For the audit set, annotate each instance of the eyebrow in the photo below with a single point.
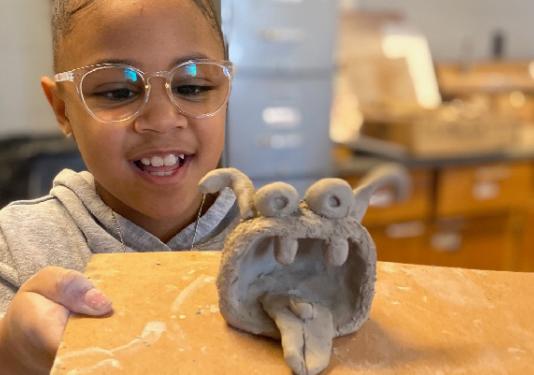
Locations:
(195, 56)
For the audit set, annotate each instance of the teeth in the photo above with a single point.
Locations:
(170, 160)
(157, 161)
(161, 174)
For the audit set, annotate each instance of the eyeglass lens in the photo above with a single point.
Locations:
(114, 93)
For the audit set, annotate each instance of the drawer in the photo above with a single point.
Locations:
(482, 243)
(400, 242)
(280, 34)
(280, 127)
(526, 257)
(485, 243)
(384, 210)
(477, 190)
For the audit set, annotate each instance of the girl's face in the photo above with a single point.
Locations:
(152, 35)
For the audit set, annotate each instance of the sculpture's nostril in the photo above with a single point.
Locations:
(281, 202)
(334, 202)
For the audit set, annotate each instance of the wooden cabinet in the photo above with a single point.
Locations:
(400, 242)
(478, 190)
(526, 256)
(487, 242)
(482, 243)
(477, 216)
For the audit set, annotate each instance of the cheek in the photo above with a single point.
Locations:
(99, 145)
(212, 135)
(101, 153)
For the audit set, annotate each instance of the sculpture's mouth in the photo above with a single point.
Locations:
(309, 276)
(304, 302)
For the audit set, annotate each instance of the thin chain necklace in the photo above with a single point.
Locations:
(199, 214)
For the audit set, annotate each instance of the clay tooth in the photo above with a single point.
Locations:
(337, 252)
(285, 250)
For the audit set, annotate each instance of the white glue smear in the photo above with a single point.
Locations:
(113, 363)
(85, 352)
(151, 333)
(190, 289)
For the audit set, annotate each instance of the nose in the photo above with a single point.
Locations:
(159, 114)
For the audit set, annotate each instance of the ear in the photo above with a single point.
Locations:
(55, 98)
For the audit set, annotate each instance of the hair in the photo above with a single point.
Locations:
(63, 12)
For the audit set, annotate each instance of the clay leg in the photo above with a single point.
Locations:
(306, 330)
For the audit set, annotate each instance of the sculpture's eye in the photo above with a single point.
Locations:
(330, 197)
(276, 200)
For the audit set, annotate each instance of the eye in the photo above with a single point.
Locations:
(114, 92)
(118, 94)
(330, 197)
(276, 200)
(191, 91)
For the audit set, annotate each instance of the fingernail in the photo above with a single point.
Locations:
(96, 299)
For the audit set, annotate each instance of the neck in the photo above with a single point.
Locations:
(163, 228)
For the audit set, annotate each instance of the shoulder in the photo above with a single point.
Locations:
(46, 211)
(42, 218)
(40, 232)
(39, 221)
(27, 229)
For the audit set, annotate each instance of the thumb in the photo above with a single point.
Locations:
(69, 288)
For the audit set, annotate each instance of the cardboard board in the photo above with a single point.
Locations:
(424, 320)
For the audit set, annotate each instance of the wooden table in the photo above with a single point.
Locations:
(424, 320)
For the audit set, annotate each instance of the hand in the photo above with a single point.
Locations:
(32, 328)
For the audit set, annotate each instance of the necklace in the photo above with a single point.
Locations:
(199, 214)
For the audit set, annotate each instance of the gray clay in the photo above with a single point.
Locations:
(306, 331)
(303, 272)
(218, 179)
(276, 200)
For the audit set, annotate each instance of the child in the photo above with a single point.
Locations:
(143, 91)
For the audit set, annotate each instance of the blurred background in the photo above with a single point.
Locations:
(334, 88)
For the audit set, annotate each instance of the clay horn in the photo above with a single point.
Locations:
(242, 186)
(393, 175)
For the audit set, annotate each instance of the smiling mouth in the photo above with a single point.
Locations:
(163, 165)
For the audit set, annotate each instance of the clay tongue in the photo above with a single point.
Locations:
(306, 329)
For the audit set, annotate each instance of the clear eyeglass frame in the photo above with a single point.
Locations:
(78, 75)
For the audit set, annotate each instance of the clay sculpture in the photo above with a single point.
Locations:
(300, 271)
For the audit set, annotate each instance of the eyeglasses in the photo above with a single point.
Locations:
(115, 93)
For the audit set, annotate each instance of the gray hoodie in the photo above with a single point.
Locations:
(65, 227)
